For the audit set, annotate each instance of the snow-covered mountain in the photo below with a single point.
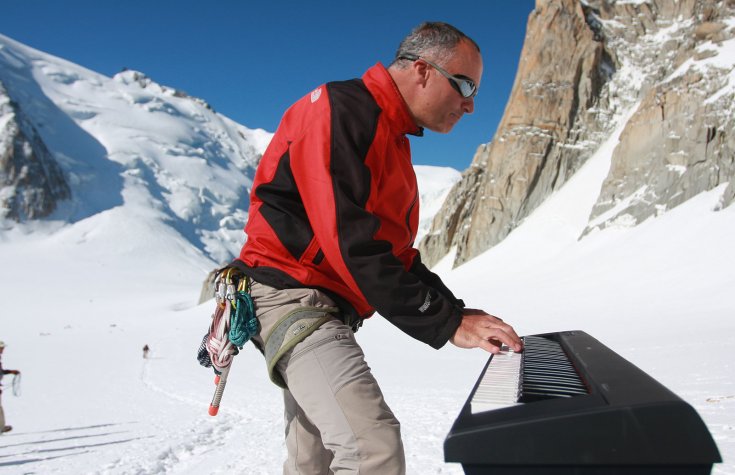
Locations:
(115, 138)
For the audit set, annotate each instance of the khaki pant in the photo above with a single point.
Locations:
(336, 419)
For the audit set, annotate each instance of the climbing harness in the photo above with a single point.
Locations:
(233, 324)
(291, 329)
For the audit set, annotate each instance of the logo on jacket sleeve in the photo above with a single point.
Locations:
(316, 94)
(426, 304)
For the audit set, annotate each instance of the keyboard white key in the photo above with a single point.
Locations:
(500, 385)
(542, 371)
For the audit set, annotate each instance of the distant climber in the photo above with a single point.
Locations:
(4, 428)
(145, 352)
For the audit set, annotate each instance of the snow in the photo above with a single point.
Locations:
(80, 297)
(434, 186)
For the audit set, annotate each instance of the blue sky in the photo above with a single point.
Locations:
(251, 60)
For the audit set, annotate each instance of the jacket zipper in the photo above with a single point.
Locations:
(408, 219)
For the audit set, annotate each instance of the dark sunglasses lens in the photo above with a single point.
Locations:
(466, 88)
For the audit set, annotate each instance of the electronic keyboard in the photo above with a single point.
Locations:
(569, 405)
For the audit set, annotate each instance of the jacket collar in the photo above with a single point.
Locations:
(381, 85)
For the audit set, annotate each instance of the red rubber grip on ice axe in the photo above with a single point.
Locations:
(220, 381)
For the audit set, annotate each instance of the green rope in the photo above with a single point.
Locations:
(243, 324)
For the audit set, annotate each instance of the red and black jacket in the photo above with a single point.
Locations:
(335, 206)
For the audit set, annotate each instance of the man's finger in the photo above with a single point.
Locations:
(489, 346)
(500, 336)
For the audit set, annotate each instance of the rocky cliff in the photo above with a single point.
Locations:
(31, 182)
(661, 70)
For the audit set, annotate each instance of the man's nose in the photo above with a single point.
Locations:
(468, 105)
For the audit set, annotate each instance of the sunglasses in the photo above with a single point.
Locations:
(462, 84)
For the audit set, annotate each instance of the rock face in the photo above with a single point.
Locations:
(680, 140)
(585, 66)
(31, 182)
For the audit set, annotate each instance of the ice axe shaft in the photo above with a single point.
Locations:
(220, 380)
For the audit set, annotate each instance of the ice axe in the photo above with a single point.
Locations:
(220, 381)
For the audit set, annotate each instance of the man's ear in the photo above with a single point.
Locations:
(421, 72)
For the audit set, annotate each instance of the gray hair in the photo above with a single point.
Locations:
(433, 40)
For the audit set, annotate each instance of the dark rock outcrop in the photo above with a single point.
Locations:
(31, 182)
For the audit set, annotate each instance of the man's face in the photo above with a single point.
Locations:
(441, 105)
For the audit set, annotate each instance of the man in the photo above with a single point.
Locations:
(331, 229)
(3, 427)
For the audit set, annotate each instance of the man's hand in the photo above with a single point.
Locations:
(482, 330)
